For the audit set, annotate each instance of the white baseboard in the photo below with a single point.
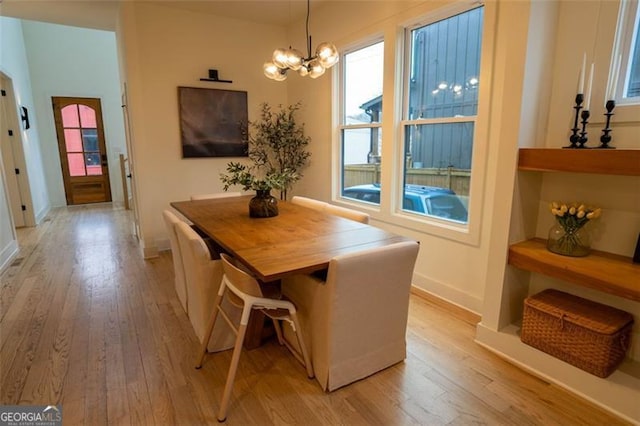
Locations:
(448, 293)
(8, 253)
(42, 214)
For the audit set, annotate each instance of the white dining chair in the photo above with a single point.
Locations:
(347, 213)
(355, 321)
(203, 276)
(211, 196)
(245, 292)
(309, 202)
(170, 221)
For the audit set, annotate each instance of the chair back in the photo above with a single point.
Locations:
(347, 213)
(215, 195)
(202, 275)
(367, 295)
(241, 280)
(309, 202)
(170, 221)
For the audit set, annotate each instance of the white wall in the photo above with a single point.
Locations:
(70, 61)
(13, 63)
(164, 48)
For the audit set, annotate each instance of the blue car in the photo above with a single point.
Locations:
(428, 200)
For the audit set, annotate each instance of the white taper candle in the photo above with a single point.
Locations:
(589, 87)
(582, 71)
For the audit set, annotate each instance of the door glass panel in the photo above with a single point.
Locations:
(87, 116)
(72, 140)
(93, 164)
(90, 139)
(76, 164)
(70, 116)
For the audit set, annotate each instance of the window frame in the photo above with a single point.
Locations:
(462, 232)
(340, 119)
(389, 212)
(625, 37)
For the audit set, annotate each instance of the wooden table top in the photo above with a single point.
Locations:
(298, 240)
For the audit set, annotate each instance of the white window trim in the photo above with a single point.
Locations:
(340, 126)
(468, 233)
(623, 44)
(393, 132)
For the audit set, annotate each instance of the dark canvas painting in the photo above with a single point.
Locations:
(212, 122)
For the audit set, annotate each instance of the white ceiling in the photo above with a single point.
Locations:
(102, 14)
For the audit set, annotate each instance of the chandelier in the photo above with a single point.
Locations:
(283, 60)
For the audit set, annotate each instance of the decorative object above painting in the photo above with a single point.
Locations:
(213, 123)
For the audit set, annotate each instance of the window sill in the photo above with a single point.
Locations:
(428, 225)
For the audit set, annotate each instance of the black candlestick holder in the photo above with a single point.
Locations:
(606, 132)
(583, 134)
(575, 138)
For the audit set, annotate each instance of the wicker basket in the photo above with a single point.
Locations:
(589, 335)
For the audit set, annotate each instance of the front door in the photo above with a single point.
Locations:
(82, 149)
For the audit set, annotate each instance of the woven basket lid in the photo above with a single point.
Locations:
(586, 313)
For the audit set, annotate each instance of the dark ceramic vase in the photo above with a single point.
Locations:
(263, 204)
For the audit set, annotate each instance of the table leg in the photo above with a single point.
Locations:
(256, 330)
(260, 327)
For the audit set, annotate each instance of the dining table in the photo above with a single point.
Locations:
(299, 240)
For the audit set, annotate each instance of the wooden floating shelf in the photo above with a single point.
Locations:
(624, 162)
(602, 271)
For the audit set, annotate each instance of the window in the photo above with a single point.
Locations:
(81, 140)
(360, 123)
(627, 88)
(441, 105)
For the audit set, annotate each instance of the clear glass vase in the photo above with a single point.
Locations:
(574, 242)
(263, 204)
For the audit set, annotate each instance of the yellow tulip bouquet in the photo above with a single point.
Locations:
(571, 217)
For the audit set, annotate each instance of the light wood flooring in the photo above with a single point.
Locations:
(85, 322)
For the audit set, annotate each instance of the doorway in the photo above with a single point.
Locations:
(13, 157)
(83, 153)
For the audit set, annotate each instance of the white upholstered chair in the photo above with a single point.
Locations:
(215, 195)
(331, 209)
(203, 277)
(355, 322)
(309, 202)
(170, 221)
(347, 213)
(244, 292)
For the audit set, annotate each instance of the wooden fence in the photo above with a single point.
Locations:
(454, 179)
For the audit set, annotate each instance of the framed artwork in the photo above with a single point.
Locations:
(213, 123)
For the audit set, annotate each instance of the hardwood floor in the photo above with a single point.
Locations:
(85, 322)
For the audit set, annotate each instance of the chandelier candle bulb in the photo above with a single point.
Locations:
(283, 60)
